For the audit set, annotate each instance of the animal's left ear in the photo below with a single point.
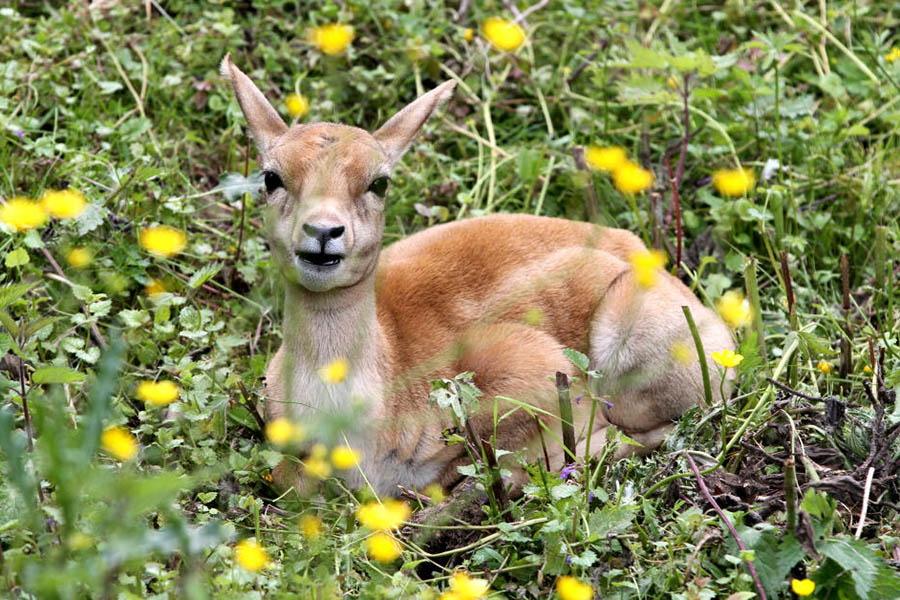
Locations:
(398, 133)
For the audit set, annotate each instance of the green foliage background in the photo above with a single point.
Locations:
(127, 105)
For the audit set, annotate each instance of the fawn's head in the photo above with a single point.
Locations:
(326, 185)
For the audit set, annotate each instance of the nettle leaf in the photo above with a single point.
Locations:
(577, 358)
(645, 57)
(17, 258)
(565, 490)
(204, 274)
(235, 185)
(11, 293)
(853, 555)
(134, 318)
(90, 218)
(611, 520)
(587, 558)
(56, 375)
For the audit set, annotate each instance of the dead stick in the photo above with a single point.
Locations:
(731, 529)
(865, 504)
(848, 335)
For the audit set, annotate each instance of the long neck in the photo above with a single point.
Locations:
(322, 327)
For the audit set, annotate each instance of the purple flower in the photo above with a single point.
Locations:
(567, 470)
(590, 496)
(569, 560)
(578, 399)
(19, 133)
(609, 404)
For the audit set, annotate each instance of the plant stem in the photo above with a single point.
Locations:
(701, 355)
(565, 414)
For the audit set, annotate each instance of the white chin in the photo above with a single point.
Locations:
(318, 278)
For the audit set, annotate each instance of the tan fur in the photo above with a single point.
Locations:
(455, 298)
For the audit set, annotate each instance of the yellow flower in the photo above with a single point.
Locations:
(867, 369)
(727, 358)
(345, 457)
(681, 352)
(569, 588)
(468, 34)
(734, 309)
(335, 371)
(383, 547)
(383, 516)
(803, 587)
(158, 393)
(79, 257)
(463, 587)
(824, 366)
(436, 493)
(310, 526)
(504, 35)
(119, 442)
(251, 555)
(734, 182)
(162, 240)
(315, 465)
(297, 105)
(645, 266)
(65, 204)
(607, 158)
(20, 213)
(631, 178)
(893, 55)
(282, 431)
(155, 287)
(333, 38)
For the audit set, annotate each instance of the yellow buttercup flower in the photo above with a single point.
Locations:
(383, 547)
(727, 358)
(65, 204)
(734, 309)
(345, 457)
(119, 442)
(464, 587)
(645, 266)
(436, 493)
(316, 464)
(383, 516)
(734, 182)
(162, 240)
(824, 366)
(893, 55)
(154, 288)
(504, 35)
(282, 431)
(20, 213)
(311, 526)
(333, 38)
(605, 158)
(803, 587)
(570, 588)
(631, 178)
(297, 105)
(867, 370)
(79, 257)
(251, 555)
(682, 353)
(468, 34)
(335, 371)
(158, 393)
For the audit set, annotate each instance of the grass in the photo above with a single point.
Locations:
(126, 104)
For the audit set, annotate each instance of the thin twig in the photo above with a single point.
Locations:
(865, 502)
(792, 391)
(705, 491)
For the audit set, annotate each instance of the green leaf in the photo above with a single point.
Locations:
(644, 57)
(565, 490)
(611, 519)
(235, 185)
(577, 358)
(56, 375)
(11, 293)
(17, 258)
(853, 555)
(204, 274)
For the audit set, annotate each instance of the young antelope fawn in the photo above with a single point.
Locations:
(500, 296)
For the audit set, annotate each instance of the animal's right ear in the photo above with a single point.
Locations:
(265, 123)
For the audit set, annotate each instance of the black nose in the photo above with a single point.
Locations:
(323, 233)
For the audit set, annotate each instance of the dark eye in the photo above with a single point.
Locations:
(273, 181)
(379, 186)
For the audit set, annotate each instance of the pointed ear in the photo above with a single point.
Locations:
(265, 124)
(397, 134)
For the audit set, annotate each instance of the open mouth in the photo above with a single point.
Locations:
(320, 259)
